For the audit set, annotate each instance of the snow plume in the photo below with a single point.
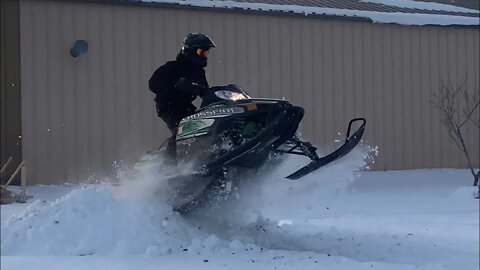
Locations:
(147, 183)
(270, 194)
(328, 182)
(133, 216)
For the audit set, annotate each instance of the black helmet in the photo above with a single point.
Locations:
(196, 47)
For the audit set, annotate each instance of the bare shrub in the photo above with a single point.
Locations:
(459, 106)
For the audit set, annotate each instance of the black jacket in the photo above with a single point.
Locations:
(164, 79)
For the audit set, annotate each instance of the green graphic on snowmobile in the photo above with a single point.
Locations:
(193, 128)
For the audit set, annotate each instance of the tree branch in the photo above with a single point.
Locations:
(454, 115)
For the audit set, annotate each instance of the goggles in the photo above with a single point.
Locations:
(202, 52)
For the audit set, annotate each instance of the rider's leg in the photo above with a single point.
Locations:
(172, 145)
(172, 120)
(172, 117)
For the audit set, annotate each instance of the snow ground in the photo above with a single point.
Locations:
(337, 218)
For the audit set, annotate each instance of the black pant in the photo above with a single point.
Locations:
(172, 117)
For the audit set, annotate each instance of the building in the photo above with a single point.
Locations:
(76, 118)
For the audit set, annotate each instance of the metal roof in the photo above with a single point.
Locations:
(356, 5)
(360, 5)
(473, 4)
(459, 8)
(352, 5)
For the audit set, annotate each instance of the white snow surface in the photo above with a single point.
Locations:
(375, 16)
(339, 217)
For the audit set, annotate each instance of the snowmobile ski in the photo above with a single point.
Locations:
(350, 143)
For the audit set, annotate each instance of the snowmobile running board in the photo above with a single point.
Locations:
(350, 143)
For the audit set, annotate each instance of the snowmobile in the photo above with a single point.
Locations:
(233, 130)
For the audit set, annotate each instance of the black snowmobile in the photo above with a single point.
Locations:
(233, 130)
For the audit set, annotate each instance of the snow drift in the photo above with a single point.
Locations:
(134, 217)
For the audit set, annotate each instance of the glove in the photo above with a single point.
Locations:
(188, 88)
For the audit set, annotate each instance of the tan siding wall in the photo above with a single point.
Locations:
(82, 114)
(10, 112)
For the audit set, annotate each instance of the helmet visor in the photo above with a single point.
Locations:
(202, 52)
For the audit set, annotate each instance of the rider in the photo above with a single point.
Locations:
(177, 83)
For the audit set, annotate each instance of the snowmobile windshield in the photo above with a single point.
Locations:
(230, 95)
